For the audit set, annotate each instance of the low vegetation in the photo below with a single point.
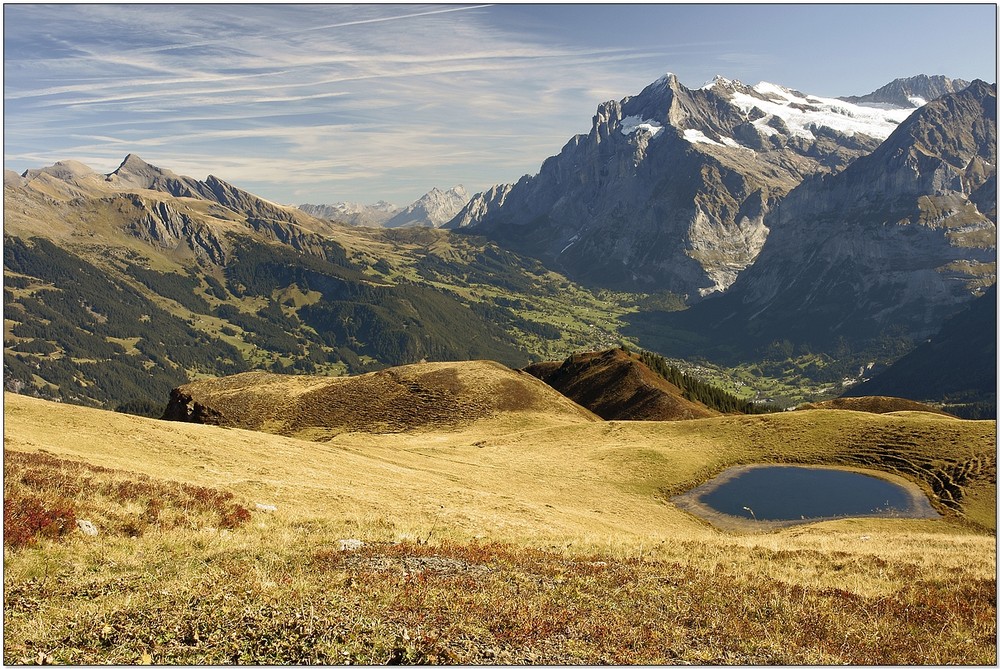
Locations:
(44, 496)
(548, 543)
(249, 600)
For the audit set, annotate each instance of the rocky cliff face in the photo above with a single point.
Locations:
(897, 242)
(671, 187)
(174, 213)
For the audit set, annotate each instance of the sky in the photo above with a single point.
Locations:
(320, 103)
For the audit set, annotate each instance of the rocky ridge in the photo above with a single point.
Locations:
(353, 213)
(432, 210)
(174, 213)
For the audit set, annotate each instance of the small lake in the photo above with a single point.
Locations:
(780, 495)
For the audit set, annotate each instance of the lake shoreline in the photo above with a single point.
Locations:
(692, 501)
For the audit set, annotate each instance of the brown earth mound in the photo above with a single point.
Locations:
(426, 396)
(874, 404)
(617, 386)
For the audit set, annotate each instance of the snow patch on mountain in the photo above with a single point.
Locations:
(698, 137)
(802, 113)
(630, 124)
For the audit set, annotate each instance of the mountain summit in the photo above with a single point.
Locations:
(911, 91)
(670, 188)
(432, 210)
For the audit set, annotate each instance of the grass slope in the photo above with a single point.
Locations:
(544, 542)
(873, 404)
(617, 386)
(422, 397)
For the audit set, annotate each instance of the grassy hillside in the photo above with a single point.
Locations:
(545, 542)
(616, 385)
(425, 397)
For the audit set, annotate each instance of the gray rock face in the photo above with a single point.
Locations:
(160, 224)
(671, 187)
(898, 241)
(911, 92)
(87, 528)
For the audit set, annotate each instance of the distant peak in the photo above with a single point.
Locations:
(668, 79)
(134, 165)
(133, 161)
(719, 80)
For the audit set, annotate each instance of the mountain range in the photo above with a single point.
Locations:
(432, 210)
(671, 188)
(911, 91)
(724, 223)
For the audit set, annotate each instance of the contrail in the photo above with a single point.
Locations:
(389, 18)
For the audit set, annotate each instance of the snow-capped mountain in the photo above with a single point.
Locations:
(353, 213)
(911, 91)
(891, 246)
(671, 187)
(432, 210)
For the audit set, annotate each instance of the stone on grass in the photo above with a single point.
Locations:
(350, 544)
(87, 528)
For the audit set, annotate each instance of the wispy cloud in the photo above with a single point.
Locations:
(342, 102)
(278, 90)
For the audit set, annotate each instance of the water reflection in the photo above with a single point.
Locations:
(789, 494)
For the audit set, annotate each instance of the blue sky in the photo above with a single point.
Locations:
(322, 103)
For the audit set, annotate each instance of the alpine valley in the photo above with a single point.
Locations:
(474, 430)
(769, 241)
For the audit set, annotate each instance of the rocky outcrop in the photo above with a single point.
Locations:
(183, 407)
(670, 189)
(162, 225)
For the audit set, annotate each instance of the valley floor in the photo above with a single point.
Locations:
(544, 542)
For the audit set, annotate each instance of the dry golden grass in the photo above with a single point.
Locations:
(424, 397)
(475, 534)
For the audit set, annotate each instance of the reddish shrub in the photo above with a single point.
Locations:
(231, 517)
(28, 517)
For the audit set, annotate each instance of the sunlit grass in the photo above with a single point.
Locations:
(549, 543)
